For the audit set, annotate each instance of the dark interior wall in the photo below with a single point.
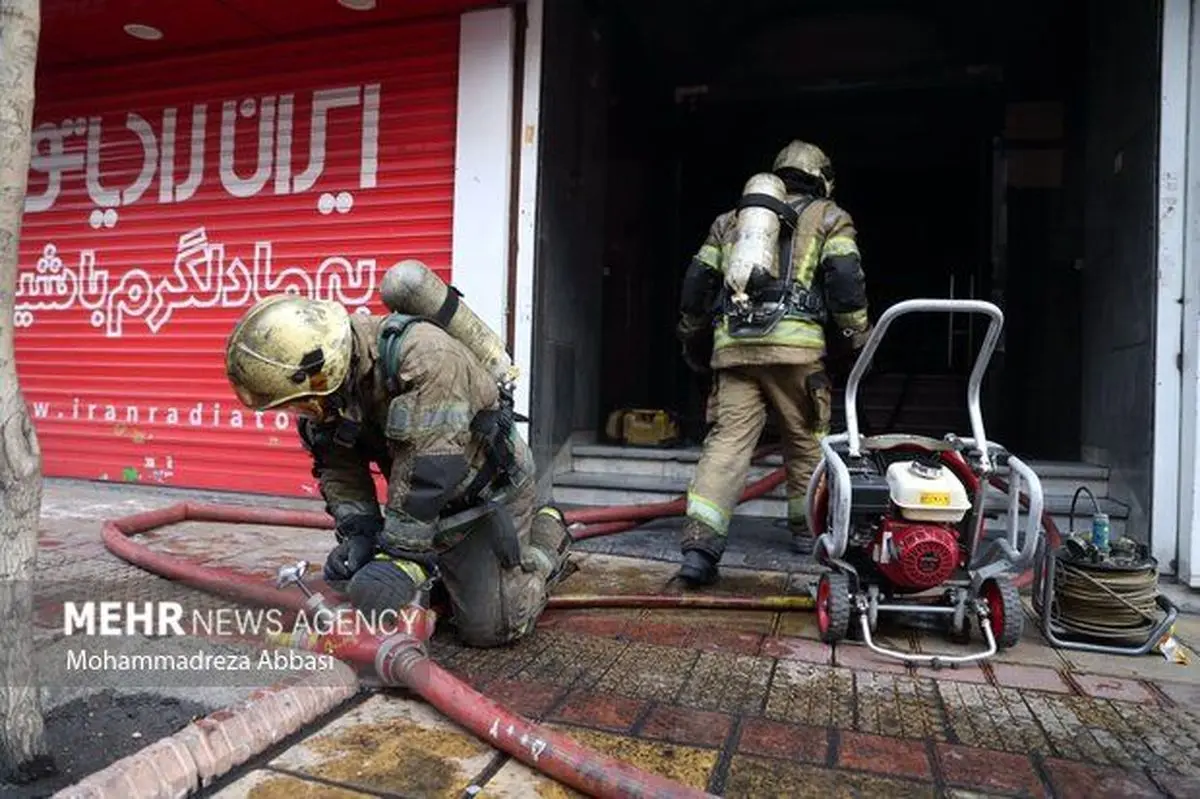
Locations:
(891, 96)
(911, 102)
(1043, 145)
(638, 349)
(569, 256)
(1119, 271)
(641, 149)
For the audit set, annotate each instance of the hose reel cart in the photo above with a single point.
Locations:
(1096, 595)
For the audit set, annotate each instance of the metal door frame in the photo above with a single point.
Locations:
(1174, 509)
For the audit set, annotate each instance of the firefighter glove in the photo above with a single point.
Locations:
(367, 526)
(858, 340)
(696, 347)
(693, 362)
(350, 555)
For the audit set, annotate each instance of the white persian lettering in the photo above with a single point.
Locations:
(90, 147)
(234, 183)
(168, 192)
(50, 158)
(202, 277)
(323, 102)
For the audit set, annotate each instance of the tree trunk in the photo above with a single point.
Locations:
(23, 753)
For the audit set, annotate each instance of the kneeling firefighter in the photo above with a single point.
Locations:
(771, 278)
(423, 394)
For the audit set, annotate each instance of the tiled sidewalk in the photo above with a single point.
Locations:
(737, 703)
(771, 710)
(719, 702)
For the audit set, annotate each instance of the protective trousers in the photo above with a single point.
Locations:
(492, 603)
(800, 395)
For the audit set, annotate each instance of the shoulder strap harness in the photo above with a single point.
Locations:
(494, 426)
(783, 297)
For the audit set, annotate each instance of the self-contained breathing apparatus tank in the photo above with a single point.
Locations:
(412, 288)
(759, 285)
(756, 241)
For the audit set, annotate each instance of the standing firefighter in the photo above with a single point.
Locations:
(770, 279)
(401, 392)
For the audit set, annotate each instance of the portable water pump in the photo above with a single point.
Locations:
(900, 518)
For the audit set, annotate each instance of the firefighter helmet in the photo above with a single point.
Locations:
(288, 350)
(809, 159)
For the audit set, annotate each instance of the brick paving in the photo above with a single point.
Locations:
(742, 703)
(1046, 738)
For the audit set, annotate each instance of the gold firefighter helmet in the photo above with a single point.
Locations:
(289, 350)
(809, 159)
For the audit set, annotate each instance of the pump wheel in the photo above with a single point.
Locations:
(833, 607)
(1005, 614)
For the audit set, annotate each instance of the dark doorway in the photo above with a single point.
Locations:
(911, 106)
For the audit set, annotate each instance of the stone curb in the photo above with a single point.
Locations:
(209, 747)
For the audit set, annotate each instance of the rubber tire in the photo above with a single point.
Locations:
(1004, 601)
(833, 607)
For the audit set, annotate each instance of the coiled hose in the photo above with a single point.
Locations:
(1112, 599)
(1106, 603)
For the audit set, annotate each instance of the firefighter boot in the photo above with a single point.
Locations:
(702, 548)
(802, 537)
(549, 536)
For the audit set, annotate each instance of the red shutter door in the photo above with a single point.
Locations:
(163, 202)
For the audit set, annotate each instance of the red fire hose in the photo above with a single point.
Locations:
(620, 518)
(693, 601)
(401, 659)
(1053, 536)
(396, 659)
(596, 522)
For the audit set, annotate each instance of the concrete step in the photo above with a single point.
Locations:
(893, 381)
(949, 396)
(947, 414)
(1058, 477)
(578, 488)
(932, 404)
(928, 422)
(946, 389)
